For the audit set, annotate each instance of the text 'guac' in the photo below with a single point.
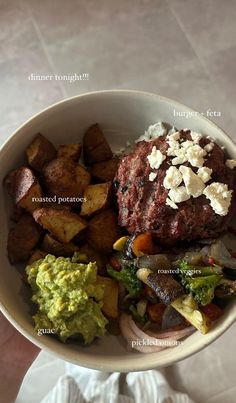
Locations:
(69, 299)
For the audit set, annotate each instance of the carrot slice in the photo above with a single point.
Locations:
(143, 245)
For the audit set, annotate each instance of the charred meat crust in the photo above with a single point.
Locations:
(142, 203)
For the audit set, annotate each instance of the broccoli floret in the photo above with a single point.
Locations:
(127, 276)
(140, 319)
(191, 271)
(200, 281)
(202, 287)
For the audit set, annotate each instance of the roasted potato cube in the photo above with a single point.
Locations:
(56, 206)
(40, 152)
(22, 239)
(95, 145)
(110, 301)
(97, 198)
(9, 182)
(103, 231)
(23, 185)
(94, 256)
(62, 224)
(105, 171)
(83, 178)
(72, 151)
(17, 213)
(36, 255)
(64, 178)
(51, 245)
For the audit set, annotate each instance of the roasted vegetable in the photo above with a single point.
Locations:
(103, 231)
(95, 146)
(218, 251)
(143, 245)
(154, 262)
(202, 286)
(40, 152)
(97, 198)
(226, 288)
(212, 311)
(36, 255)
(56, 248)
(110, 300)
(155, 312)
(188, 270)
(141, 319)
(105, 171)
(62, 224)
(23, 238)
(164, 285)
(197, 318)
(127, 276)
(171, 318)
(72, 151)
(120, 243)
(24, 187)
(64, 178)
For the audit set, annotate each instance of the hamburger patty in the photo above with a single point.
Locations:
(142, 203)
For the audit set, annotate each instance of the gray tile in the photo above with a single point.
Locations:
(122, 50)
(17, 34)
(221, 66)
(20, 98)
(209, 24)
(187, 82)
(60, 20)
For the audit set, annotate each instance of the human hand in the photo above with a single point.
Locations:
(17, 354)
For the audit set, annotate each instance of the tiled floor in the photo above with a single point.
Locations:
(184, 49)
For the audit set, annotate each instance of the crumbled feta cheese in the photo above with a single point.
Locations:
(219, 196)
(153, 131)
(178, 195)
(186, 144)
(204, 173)
(230, 164)
(173, 178)
(173, 136)
(209, 147)
(195, 155)
(156, 158)
(180, 157)
(152, 176)
(170, 203)
(196, 137)
(194, 184)
(173, 147)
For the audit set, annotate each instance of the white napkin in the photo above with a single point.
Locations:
(81, 385)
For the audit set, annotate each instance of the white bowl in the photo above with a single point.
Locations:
(123, 115)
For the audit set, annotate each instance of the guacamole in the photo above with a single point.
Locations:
(68, 298)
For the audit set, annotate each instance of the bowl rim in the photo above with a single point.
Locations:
(123, 366)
